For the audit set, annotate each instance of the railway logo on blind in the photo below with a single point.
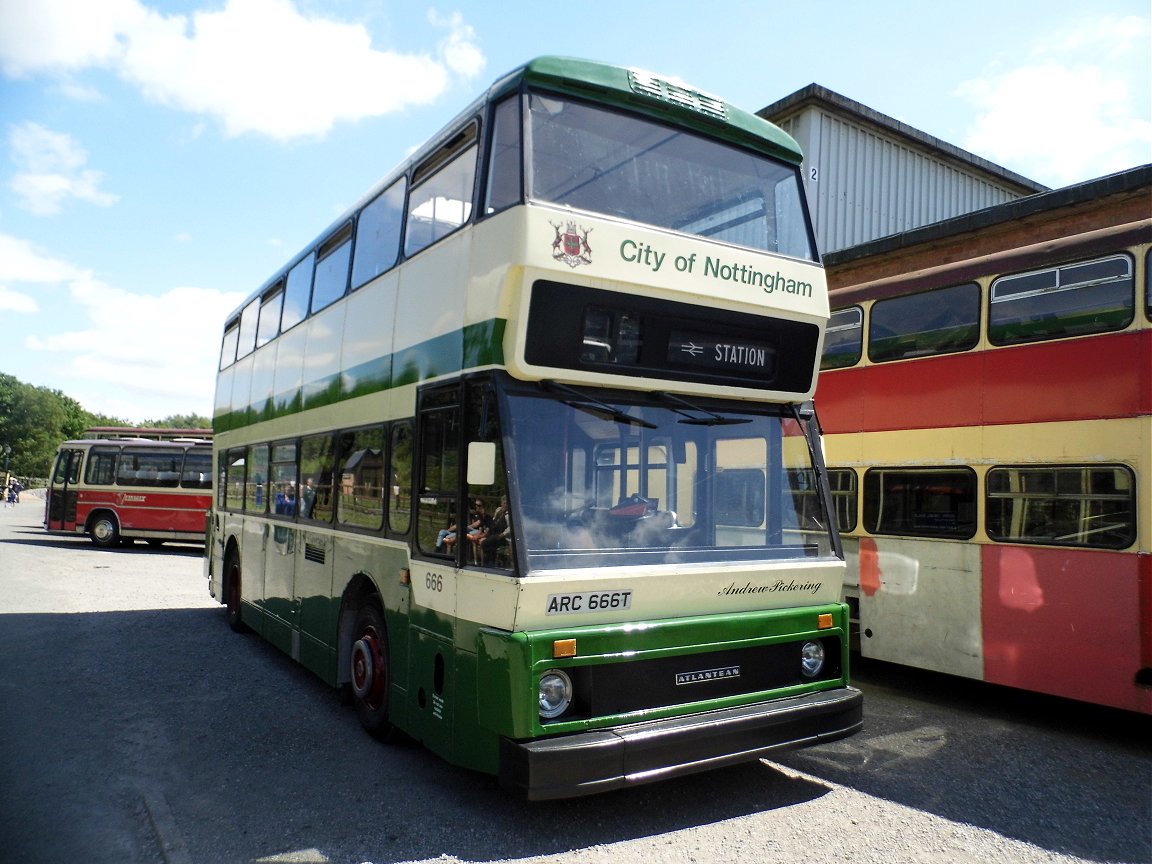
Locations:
(571, 245)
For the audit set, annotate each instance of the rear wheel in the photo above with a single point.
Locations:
(370, 674)
(232, 594)
(105, 531)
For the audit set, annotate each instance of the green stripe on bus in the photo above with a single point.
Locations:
(474, 346)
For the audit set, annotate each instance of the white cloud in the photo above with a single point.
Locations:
(17, 301)
(160, 350)
(62, 35)
(1065, 113)
(256, 65)
(20, 261)
(131, 349)
(459, 48)
(50, 171)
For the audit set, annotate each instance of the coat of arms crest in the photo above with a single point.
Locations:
(571, 245)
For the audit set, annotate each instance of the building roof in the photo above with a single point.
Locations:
(818, 97)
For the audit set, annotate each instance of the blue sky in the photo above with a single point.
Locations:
(159, 160)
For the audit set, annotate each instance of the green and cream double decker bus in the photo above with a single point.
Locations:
(520, 450)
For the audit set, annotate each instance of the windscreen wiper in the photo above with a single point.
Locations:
(713, 419)
(594, 406)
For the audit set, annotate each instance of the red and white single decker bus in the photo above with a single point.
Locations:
(120, 490)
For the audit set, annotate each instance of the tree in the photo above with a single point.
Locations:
(34, 420)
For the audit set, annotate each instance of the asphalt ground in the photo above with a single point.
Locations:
(135, 727)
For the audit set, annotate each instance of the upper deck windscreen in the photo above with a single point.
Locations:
(604, 161)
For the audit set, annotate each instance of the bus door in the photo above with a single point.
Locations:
(443, 543)
(63, 495)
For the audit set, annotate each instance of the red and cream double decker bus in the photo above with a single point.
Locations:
(986, 402)
(120, 490)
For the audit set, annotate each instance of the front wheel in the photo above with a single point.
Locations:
(105, 531)
(370, 672)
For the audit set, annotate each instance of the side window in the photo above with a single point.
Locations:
(247, 341)
(141, 466)
(439, 472)
(1148, 284)
(233, 485)
(316, 476)
(941, 321)
(101, 470)
(228, 346)
(1065, 505)
(256, 488)
(197, 469)
(843, 483)
(920, 502)
(296, 293)
(269, 325)
(282, 479)
(441, 196)
(378, 235)
(332, 260)
(1073, 300)
(504, 157)
(400, 468)
(843, 339)
(360, 461)
(492, 545)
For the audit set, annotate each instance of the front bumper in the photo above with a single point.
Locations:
(604, 759)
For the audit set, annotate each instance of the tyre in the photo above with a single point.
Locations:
(105, 530)
(233, 582)
(371, 678)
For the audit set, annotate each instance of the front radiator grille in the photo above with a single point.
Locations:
(619, 688)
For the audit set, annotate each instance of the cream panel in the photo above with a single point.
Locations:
(669, 592)
(431, 297)
(926, 612)
(665, 264)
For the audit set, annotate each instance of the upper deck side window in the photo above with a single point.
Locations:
(442, 189)
(333, 257)
(624, 165)
(269, 324)
(843, 339)
(1056, 302)
(378, 234)
(941, 321)
(297, 293)
(247, 338)
(228, 346)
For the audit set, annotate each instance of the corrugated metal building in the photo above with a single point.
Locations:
(870, 176)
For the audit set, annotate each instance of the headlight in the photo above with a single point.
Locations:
(811, 659)
(555, 693)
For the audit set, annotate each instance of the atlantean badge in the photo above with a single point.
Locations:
(571, 245)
